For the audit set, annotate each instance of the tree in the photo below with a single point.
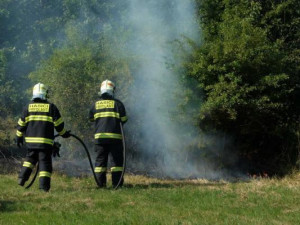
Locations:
(247, 67)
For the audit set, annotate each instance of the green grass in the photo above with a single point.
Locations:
(152, 201)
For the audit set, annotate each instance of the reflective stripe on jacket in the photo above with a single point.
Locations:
(107, 113)
(37, 124)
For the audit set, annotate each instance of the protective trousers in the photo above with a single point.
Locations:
(116, 151)
(44, 157)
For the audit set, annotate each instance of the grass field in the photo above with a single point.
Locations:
(152, 201)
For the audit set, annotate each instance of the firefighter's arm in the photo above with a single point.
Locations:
(21, 128)
(123, 116)
(91, 115)
(59, 123)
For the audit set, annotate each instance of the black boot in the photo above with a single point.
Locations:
(45, 183)
(21, 182)
(116, 179)
(101, 177)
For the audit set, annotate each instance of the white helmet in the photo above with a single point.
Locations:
(107, 87)
(40, 91)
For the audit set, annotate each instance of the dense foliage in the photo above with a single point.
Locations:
(245, 67)
(248, 67)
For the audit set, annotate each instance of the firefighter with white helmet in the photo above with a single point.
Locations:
(107, 113)
(37, 124)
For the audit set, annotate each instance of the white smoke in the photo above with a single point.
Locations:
(156, 24)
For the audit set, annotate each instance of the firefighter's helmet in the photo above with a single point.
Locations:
(107, 87)
(40, 91)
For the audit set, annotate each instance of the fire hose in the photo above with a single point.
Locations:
(124, 157)
(90, 161)
(88, 155)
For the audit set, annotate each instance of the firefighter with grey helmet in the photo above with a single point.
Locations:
(107, 113)
(36, 125)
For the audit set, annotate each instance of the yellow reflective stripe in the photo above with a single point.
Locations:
(39, 140)
(100, 169)
(21, 123)
(38, 118)
(44, 174)
(19, 134)
(116, 169)
(108, 135)
(106, 114)
(59, 121)
(124, 118)
(62, 132)
(28, 164)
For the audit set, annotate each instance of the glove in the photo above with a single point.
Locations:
(66, 134)
(55, 149)
(19, 141)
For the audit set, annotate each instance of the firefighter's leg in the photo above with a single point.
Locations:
(28, 165)
(101, 164)
(45, 167)
(117, 168)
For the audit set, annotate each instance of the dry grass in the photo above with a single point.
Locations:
(146, 200)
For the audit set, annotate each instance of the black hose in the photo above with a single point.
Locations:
(124, 157)
(89, 158)
(33, 179)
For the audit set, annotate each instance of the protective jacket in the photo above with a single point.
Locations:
(107, 113)
(37, 124)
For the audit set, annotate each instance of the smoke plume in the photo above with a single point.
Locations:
(165, 143)
(161, 140)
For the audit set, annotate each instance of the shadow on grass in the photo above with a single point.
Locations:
(6, 206)
(172, 185)
(152, 186)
